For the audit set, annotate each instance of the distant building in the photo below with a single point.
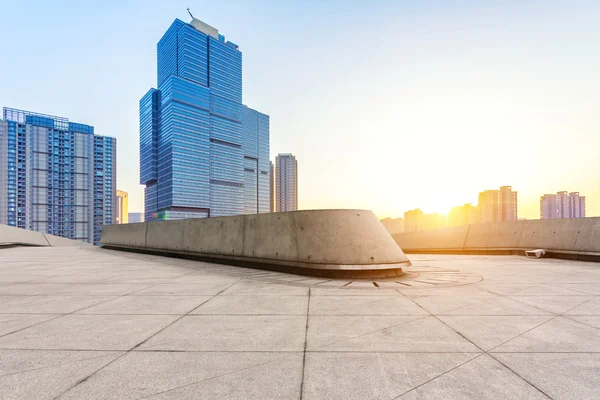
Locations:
(135, 217)
(122, 207)
(393, 226)
(272, 187)
(415, 220)
(463, 215)
(498, 205)
(433, 221)
(202, 152)
(562, 205)
(56, 176)
(286, 184)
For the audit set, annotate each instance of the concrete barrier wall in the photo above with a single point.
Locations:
(320, 239)
(574, 236)
(11, 236)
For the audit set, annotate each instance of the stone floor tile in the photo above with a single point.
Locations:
(562, 376)
(88, 332)
(421, 335)
(556, 336)
(50, 304)
(481, 378)
(591, 307)
(553, 304)
(194, 375)
(13, 322)
(150, 305)
(327, 331)
(440, 304)
(232, 333)
(250, 287)
(488, 332)
(31, 289)
(186, 289)
(39, 374)
(255, 305)
(497, 306)
(548, 290)
(364, 305)
(382, 376)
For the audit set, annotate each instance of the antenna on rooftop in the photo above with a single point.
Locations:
(189, 12)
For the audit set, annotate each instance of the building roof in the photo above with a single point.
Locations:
(86, 322)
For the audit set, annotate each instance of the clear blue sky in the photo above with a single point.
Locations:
(387, 105)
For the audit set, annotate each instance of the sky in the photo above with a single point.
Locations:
(387, 105)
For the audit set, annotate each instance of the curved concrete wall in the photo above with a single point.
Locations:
(11, 236)
(337, 241)
(577, 237)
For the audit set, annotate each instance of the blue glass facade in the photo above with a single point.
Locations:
(60, 177)
(192, 130)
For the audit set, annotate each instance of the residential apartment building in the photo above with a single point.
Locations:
(286, 182)
(202, 152)
(463, 215)
(562, 205)
(498, 205)
(416, 220)
(393, 225)
(56, 176)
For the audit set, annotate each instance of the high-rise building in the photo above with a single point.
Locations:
(463, 215)
(395, 225)
(576, 205)
(272, 187)
(135, 217)
(416, 220)
(413, 220)
(562, 205)
(498, 205)
(56, 176)
(122, 207)
(286, 183)
(202, 153)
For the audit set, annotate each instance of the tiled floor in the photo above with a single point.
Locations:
(89, 323)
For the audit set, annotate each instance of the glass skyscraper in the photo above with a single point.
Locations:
(56, 176)
(202, 152)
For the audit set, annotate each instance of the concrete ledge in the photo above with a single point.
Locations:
(575, 239)
(11, 236)
(331, 243)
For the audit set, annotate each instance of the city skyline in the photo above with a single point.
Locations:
(465, 79)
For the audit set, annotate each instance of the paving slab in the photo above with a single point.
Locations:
(231, 333)
(488, 332)
(13, 322)
(187, 289)
(552, 303)
(498, 306)
(420, 335)
(251, 287)
(42, 374)
(481, 378)
(591, 307)
(194, 375)
(255, 305)
(555, 336)
(382, 376)
(395, 304)
(149, 305)
(562, 376)
(88, 332)
(50, 304)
